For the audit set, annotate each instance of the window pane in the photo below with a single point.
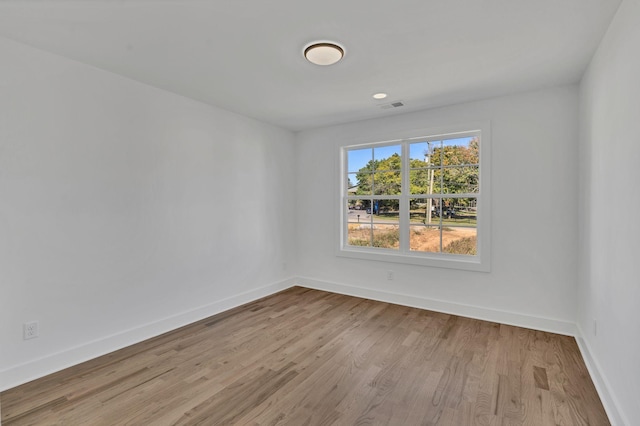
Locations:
(460, 180)
(425, 230)
(424, 154)
(440, 173)
(435, 153)
(359, 225)
(460, 151)
(424, 181)
(459, 211)
(388, 157)
(357, 211)
(386, 223)
(352, 180)
(386, 236)
(387, 183)
(458, 240)
(459, 221)
(424, 211)
(386, 211)
(358, 159)
(382, 211)
(359, 234)
(424, 238)
(418, 154)
(359, 183)
(448, 210)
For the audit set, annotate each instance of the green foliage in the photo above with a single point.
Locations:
(449, 170)
(452, 169)
(380, 177)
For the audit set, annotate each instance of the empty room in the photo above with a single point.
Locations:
(334, 213)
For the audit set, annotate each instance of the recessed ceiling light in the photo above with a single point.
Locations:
(379, 95)
(323, 53)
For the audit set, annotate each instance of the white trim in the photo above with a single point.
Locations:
(35, 369)
(451, 261)
(471, 311)
(603, 387)
(31, 370)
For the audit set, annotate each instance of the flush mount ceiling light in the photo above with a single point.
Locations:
(379, 95)
(323, 53)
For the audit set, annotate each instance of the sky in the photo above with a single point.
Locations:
(358, 158)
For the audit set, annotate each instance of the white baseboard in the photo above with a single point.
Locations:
(503, 317)
(611, 405)
(41, 367)
(23, 373)
(610, 402)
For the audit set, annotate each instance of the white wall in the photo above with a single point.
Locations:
(126, 211)
(609, 284)
(534, 216)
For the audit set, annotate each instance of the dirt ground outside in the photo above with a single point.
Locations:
(454, 239)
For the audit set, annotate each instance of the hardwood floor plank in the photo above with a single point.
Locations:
(540, 378)
(308, 357)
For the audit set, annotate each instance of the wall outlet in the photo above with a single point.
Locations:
(595, 327)
(30, 330)
(390, 275)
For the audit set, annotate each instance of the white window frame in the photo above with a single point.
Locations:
(481, 261)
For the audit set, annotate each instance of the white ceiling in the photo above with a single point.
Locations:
(246, 55)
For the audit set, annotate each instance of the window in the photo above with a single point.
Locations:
(421, 200)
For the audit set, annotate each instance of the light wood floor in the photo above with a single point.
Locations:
(307, 357)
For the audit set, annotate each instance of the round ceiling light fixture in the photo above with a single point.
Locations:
(380, 95)
(323, 53)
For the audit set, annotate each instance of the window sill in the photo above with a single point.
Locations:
(450, 261)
